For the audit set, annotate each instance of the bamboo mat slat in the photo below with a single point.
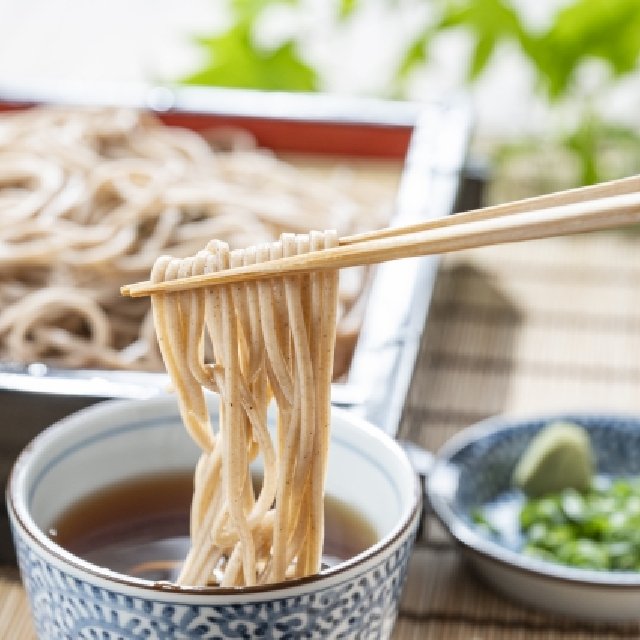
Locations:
(460, 607)
(15, 621)
(548, 326)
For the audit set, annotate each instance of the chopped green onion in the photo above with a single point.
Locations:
(595, 529)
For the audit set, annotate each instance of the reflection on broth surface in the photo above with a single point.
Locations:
(141, 527)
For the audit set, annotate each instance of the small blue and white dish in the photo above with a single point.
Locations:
(474, 469)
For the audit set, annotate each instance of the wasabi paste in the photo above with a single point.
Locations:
(559, 457)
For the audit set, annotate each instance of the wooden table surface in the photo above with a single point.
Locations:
(550, 325)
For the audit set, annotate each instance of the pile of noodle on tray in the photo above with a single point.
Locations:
(89, 198)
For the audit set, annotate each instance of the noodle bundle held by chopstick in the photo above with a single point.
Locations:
(272, 339)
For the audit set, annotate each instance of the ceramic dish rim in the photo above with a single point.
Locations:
(474, 542)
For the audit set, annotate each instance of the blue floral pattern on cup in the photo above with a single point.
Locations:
(69, 608)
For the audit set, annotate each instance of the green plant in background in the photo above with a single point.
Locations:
(233, 58)
(581, 31)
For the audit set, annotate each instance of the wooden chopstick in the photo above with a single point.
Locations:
(564, 219)
(559, 198)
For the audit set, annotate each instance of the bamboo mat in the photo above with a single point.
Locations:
(550, 325)
(546, 326)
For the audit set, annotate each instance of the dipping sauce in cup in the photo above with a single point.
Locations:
(116, 442)
(140, 527)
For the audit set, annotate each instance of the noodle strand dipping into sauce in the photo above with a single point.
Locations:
(253, 343)
(141, 527)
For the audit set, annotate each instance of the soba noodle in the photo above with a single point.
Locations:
(89, 198)
(268, 339)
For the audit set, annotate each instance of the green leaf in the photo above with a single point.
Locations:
(608, 30)
(233, 60)
(484, 48)
(415, 55)
(490, 23)
(346, 8)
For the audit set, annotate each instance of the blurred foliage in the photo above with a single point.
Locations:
(346, 8)
(233, 58)
(608, 30)
(593, 151)
(580, 31)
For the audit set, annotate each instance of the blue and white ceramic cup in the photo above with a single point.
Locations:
(72, 599)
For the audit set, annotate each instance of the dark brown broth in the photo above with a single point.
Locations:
(141, 527)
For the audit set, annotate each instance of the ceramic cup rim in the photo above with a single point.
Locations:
(19, 511)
